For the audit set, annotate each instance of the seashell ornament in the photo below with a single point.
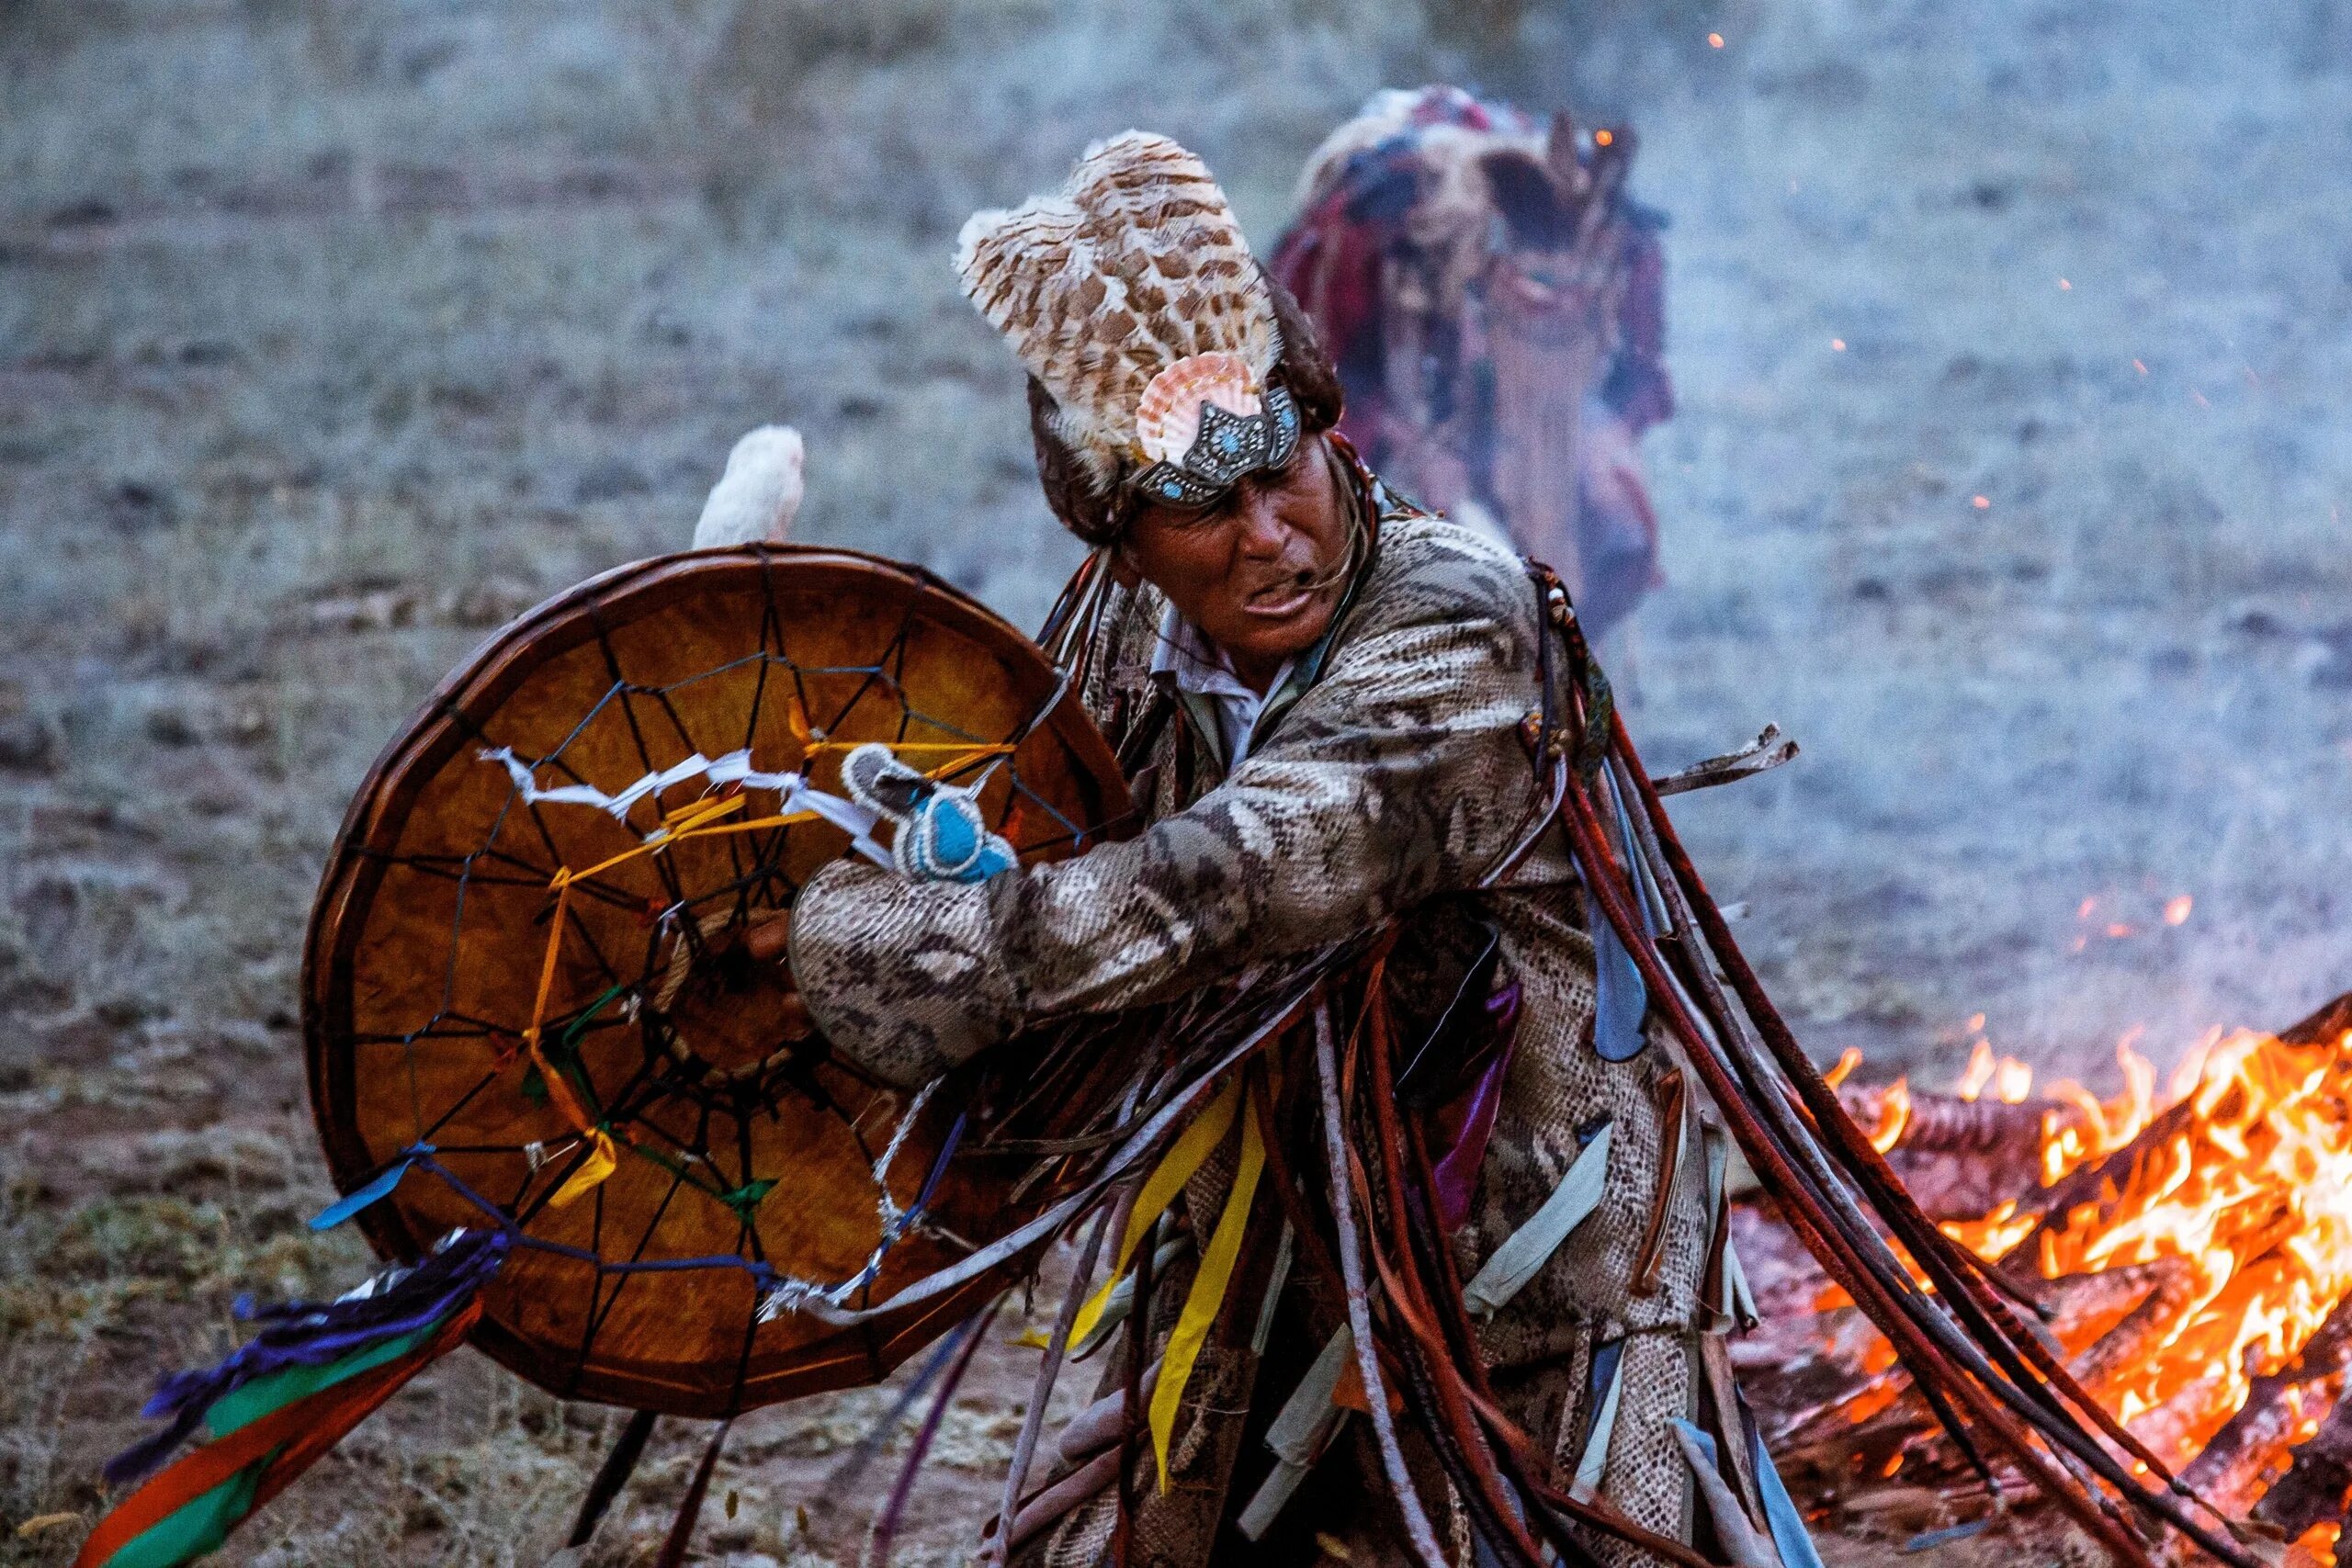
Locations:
(1168, 418)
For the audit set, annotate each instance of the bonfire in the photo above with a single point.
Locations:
(2189, 1246)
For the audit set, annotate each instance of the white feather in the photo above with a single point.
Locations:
(759, 494)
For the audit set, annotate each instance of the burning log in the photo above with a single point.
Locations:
(2234, 1457)
(2167, 1287)
(1950, 1150)
(2107, 1321)
(1945, 1124)
(2313, 1490)
(2203, 1251)
(2101, 1182)
(2086, 1311)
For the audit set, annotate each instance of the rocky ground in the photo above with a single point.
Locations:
(2005, 479)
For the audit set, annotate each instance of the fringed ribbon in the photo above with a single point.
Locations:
(394, 1305)
(1528, 1248)
(603, 1158)
(1472, 1122)
(335, 1214)
(1606, 1384)
(793, 792)
(266, 1435)
(1734, 1532)
(1301, 1430)
(968, 1338)
(1967, 1346)
(1781, 1512)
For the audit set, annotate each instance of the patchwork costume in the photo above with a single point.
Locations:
(1386, 777)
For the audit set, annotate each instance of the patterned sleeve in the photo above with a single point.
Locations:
(1400, 774)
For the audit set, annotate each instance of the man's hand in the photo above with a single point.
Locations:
(768, 937)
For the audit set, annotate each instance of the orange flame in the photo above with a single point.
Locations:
(2253, 1194)
(1893, 1115)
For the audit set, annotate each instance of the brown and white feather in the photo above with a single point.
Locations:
(1135, 264)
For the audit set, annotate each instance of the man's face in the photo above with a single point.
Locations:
(1261, 571)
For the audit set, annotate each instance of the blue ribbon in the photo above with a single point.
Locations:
(1619, 1000)
(335, 1214)
(1789, 1533)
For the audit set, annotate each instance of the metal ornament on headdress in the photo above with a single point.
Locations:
(1234, 429)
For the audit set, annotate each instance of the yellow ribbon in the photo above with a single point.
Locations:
(603, 1158)
(1207, 1294)
(1176, 1168)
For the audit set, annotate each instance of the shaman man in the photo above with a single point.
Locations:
(1322, 696)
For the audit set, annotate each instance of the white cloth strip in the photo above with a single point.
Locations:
(1529, 1248)
(1285, 1251)
(1743, 1303)
(1734, 1532)
(1295, 1430)
(1273, 1495)
(1592, 1465)
(786, 1296)
(1300, 1433)
(793, 793)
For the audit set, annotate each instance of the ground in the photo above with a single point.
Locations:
(2007, 477)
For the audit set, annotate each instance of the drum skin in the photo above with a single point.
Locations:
(428, 941)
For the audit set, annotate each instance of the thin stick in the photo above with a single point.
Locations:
(611, 1476)
(1965, 1280)
(1139, 1351)
(682, 1528)
(1000, 1546)
(1376, 1393)
(885, 1529)
(1858, 1254)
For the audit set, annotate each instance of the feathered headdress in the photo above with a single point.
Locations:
(1138, 306)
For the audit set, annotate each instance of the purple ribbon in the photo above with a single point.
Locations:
(1457, 1174)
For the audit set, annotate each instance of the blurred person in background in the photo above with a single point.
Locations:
(1494, 303)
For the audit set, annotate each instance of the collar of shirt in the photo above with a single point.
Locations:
(1198, 666)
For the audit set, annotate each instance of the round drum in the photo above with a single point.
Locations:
(528, 990)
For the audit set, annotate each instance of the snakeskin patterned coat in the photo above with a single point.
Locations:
(1388, 779)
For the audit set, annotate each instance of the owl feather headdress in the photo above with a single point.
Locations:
(1138, 308)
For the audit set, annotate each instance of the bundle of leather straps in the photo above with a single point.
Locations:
(1967, 1336)
(1370, 1222)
